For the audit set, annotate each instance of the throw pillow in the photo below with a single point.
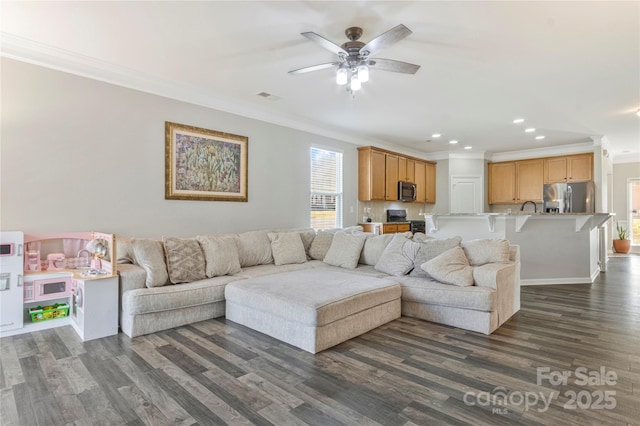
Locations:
(287, 247)
(451, 267)
(345, 250)
(429, 249)
(220, 255)
(373, 248)
(399, 256)
(483, 251)
(124, 251)
(185, 260)
(320, 245)
(254, 248)
(421, 236)
(149, 255)
(307, 238)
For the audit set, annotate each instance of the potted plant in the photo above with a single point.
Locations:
(622, 244)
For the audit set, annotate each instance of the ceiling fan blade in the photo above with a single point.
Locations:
(323, 42)
(388, 38)
(314, 68)
(392, 65)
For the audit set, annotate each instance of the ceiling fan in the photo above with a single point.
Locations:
(354, 57)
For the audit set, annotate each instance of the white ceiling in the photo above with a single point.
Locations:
(571, 69)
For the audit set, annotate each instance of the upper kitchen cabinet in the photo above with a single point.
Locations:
(515, 182)
(502, 183)
(406, 169)
(391, 177)
(379, 172)
(430, 189)
(571, 168)
(371, 174)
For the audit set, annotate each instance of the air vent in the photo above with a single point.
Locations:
(268, 96)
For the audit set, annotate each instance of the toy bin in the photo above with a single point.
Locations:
(45, 313)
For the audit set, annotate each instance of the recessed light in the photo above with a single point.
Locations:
(638, 112)
(540, 137)
(453, 142)
(467, 147)
(518, 120)
(530, 129)
(436, 135)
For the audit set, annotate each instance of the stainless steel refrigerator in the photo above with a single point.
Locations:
(576, 197)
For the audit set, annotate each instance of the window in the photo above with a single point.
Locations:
(326, 189)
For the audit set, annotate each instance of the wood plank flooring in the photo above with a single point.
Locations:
(408, 372)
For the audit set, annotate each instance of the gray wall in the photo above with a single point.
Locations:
(79, 155)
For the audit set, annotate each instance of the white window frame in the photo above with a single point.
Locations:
(338, 193)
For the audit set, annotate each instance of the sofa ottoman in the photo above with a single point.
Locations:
(313, 310)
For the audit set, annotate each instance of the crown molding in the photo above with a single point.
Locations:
(551, 151)
(25, 50)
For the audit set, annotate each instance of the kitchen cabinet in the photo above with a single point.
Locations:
(430, 186)
(515, 182)
(571, 168)
(406, 169)
(391, 178)
(379, 172)
(371, 176)
(394, 228)
(420, 181)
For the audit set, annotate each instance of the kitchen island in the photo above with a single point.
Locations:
(561, 248)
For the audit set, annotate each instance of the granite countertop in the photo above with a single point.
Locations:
(519, 213)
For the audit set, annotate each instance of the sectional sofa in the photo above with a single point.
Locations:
(316, 289)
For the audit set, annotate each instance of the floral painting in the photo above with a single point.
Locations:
(203, 164)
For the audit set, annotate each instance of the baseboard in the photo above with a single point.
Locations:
(553, 281)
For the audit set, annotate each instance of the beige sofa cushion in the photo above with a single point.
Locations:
(429, 249)
(185, 260)
(398, 256)
(124, 251)
(220, 254)
(149, 255)
(345, 250)
(373, 248)
(287, 248)
(320, 245)
(451, 267)
(484, 250)
(314, 298)
(430, 292)
(171, 298)
(254, 248)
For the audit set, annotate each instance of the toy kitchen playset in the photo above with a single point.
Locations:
(51, 280)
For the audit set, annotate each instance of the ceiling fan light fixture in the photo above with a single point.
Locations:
(363, 72)
(342, 76)
(355, 82)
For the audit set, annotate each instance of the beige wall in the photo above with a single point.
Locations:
(78, 155)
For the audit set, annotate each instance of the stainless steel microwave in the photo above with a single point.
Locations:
(406, 191)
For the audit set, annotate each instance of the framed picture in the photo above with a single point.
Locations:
(203, 164)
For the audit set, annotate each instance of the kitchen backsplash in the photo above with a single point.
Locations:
(379, 210)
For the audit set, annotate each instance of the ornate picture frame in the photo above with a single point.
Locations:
(204, 165)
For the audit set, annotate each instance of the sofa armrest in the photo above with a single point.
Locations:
(504, 278)
(131, 277)
(492, 274)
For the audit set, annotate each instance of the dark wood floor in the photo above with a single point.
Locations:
(408, 372)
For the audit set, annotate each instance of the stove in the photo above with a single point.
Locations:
(397, 216)
(401, 216)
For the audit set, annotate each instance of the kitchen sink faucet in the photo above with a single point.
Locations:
(535, 207)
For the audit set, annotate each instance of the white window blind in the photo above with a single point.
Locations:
(326, 189)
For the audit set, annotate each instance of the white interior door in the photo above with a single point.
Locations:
(466, 194)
